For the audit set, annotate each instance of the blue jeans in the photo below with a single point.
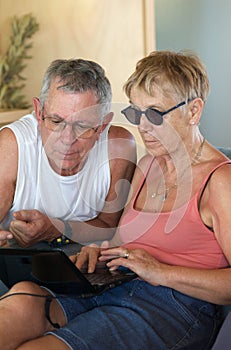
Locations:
(138, 316)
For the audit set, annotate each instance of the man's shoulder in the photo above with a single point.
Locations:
(25, 129)
(116, 131)
(122, 144)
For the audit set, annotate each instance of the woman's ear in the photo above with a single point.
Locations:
(196, 107)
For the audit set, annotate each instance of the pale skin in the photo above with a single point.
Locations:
(210, 285)
(67, 154)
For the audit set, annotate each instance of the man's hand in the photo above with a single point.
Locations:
(4, 237)
(31, 227)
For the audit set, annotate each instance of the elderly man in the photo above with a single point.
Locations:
(64, 169)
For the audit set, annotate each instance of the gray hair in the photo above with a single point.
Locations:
(77, 76)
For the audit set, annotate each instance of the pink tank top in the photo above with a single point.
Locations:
(176, 238)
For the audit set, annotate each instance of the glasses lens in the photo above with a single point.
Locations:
(88, 133)
(154, 117)
(53, 124)
(133, 115)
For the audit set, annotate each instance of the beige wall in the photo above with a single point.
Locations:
(115, 33)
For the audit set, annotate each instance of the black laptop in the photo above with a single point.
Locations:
(53, 269)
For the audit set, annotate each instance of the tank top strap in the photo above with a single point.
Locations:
(207, 178)
(142, 181)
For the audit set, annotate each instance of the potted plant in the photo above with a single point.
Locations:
(12, 63)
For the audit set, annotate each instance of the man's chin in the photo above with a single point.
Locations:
(66, 167)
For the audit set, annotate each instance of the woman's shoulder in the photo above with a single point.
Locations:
(221, 172)
(218, 171)
(145, 161)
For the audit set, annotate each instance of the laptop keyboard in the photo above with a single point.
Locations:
(104, 277)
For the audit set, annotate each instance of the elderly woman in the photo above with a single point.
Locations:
(175, 233)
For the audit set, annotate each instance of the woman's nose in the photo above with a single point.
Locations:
(144, 125)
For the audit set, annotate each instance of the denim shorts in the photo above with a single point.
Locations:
(138, 316)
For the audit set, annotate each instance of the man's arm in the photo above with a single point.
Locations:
(8, 175)
(122, 155)
(32, 226)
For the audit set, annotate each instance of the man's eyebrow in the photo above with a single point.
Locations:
(77, 122)
(55, 115)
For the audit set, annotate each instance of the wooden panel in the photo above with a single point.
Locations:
(7, 116)
(110, 32)
(115, 33)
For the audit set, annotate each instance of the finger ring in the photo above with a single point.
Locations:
(126, 254)
(77, 254)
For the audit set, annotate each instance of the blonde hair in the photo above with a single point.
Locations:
(180, 73)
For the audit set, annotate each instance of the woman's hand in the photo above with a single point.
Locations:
(87, 256)
(138, 260)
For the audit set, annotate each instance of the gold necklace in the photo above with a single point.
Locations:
(166, 192)
(156, 193)
(198, 154)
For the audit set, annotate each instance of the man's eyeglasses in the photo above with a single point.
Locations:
(133, 115)
(58, 125)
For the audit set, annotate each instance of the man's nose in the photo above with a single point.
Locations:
(68, 135)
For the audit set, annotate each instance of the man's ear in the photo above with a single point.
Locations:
(106, 120)
(196, 108)
(37, 108)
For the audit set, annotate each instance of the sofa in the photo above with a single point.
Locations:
(223, 341)
(226, 151)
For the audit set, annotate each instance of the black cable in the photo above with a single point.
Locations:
(29, 294)
(47, 312)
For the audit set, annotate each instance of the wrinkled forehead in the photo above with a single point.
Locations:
(156, 91)
(78, 105)
(57, 94)
(156, 86)
(89, 115)
(92, 115)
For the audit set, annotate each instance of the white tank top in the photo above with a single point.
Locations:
(77, 197)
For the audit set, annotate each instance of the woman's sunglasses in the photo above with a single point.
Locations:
(133, 115)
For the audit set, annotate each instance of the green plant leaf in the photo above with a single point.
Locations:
(12, 63)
